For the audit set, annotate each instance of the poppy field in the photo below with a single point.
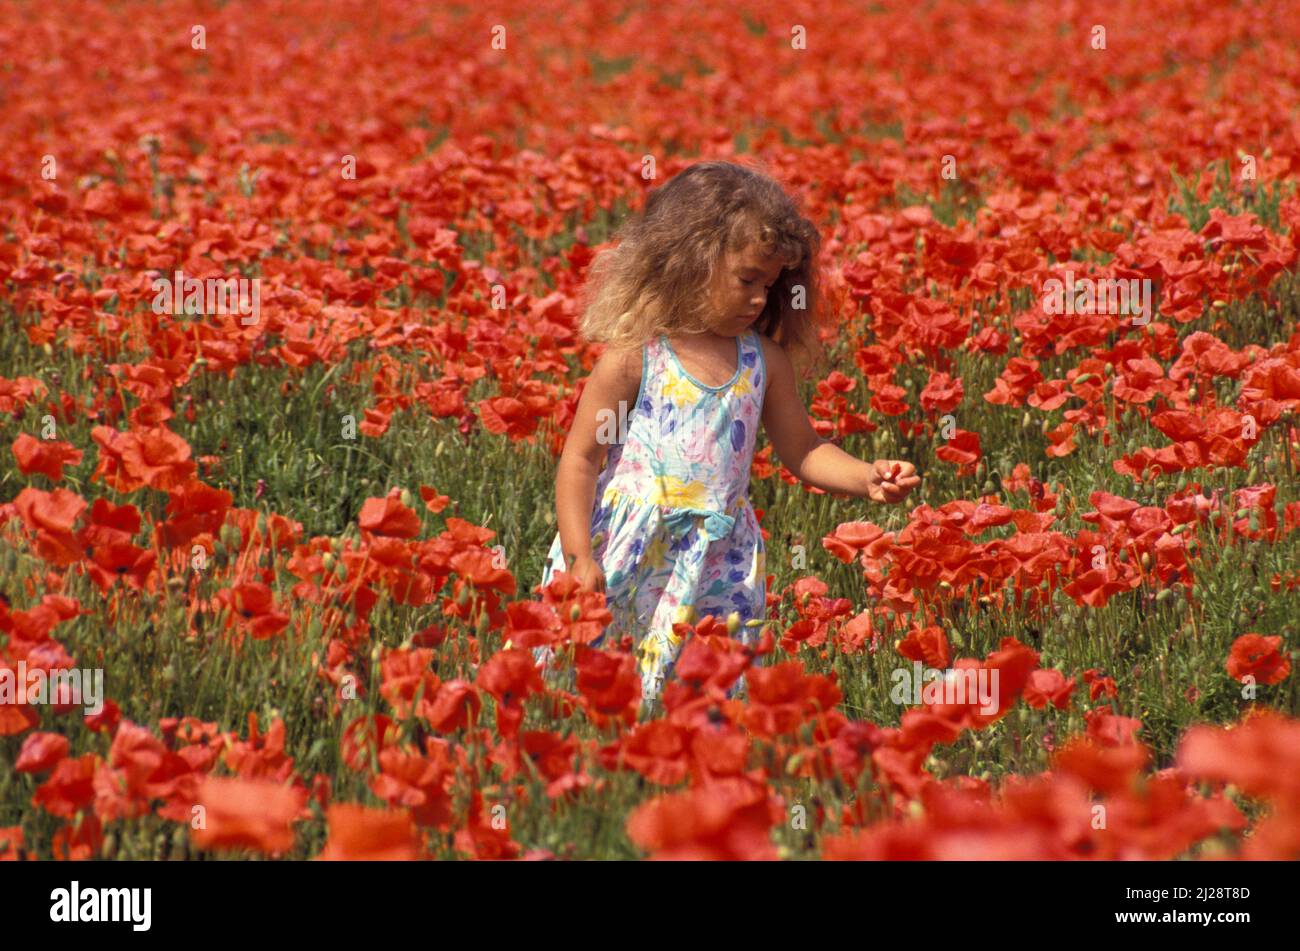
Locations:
(289, 293)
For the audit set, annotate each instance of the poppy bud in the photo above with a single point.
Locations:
(733, 623)
(232, 537)
(574, 612)
(1146, 559)
(406, 497)
(1193, 393)
(483, 622)
(328, 560)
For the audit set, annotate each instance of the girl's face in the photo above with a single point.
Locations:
(740, 289)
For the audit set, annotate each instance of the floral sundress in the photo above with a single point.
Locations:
(672, 527)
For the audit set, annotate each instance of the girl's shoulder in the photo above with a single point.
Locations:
(768, 350)
(617, 373)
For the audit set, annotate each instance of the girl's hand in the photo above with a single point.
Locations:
(889, 480)
(588, 573)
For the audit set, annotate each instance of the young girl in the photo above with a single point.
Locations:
(698, 304)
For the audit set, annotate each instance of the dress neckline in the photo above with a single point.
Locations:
(704, 386)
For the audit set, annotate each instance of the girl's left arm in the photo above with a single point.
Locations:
(817, 461)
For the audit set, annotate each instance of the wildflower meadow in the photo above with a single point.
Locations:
(289, 293)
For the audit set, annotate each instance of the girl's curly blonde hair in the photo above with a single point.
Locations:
(654, 280)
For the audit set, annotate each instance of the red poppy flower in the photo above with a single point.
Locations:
(254, 609)
(1260, 756)
(47, 457)
(1111, 770)
(41, 752)
(610, 685)
(54, 513)
(658, 750)
(928, 645)
(156, 457)
(388, 516)
(80, 842)
(851, 538)
(963, 450)
(359, 833)
(1048, 686)
(419, 783)
(11, 843)
(783, 696)
(113, 560)
(364, 737)
(455, 707)
(557, 759)
(432, 500)
(510, 676)
(70, 787)
(1253, 655)
(484, 837)
(246, 814)
(1098, 685)
(406, 675)
(726, 820)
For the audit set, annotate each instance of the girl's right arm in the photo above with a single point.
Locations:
(598, 421)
